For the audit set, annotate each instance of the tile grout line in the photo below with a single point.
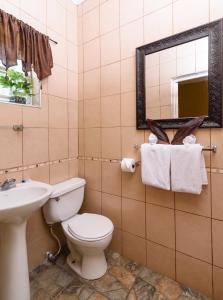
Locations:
(120, 83)
(83, 112)
(212, 252)
(145, 193)
(175, 234)
(100, 97)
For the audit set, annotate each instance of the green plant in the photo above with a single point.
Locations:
(19, 84)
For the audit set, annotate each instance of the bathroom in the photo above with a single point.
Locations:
(165, 245)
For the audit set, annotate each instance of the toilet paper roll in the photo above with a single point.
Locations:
(128, 165)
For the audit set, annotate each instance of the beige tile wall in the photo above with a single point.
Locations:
(51, 132)
(171, 233)
(179, 235)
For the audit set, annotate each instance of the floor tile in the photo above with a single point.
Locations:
(144, 290)
(124, 276)
(124, 280)
(106, 283)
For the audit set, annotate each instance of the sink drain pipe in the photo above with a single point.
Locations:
(52, 256)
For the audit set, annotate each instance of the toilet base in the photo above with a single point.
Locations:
(92, 266)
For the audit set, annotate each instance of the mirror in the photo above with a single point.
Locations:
(179, 78)
(177, 81)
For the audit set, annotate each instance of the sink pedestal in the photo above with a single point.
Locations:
(14, 273)
(16, 205)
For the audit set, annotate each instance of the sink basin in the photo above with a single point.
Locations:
(16, 205)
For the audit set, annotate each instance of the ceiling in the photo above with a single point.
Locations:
(77, 1)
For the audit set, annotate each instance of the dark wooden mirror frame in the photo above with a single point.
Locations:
(215, 74)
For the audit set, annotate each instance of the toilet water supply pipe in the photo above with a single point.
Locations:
(52, 257)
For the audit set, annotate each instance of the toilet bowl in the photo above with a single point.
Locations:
(90, 235)
(87, 234)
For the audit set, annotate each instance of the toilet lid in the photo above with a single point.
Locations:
(90, 226)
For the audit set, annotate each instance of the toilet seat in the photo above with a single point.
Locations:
(89, 227)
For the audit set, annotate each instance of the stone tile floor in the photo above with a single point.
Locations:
(124, 279)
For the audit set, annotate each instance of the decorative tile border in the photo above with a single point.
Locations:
(42, 164)
(100, 159)
(49, 163)
(209, 170)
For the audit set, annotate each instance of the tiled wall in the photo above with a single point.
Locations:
(47, 149)
(179, 235)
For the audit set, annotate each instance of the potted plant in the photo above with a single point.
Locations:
(20, 85)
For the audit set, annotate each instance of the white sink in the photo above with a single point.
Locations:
(16, 205)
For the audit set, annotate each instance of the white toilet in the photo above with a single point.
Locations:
(88, 235)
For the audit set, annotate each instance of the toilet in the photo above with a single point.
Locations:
(87, 234)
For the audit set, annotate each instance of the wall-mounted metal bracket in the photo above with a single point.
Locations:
(18, 127)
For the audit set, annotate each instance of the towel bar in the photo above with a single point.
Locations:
(212, 148)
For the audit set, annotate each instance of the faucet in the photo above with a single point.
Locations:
(8, 184)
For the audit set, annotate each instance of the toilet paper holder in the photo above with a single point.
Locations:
(137, 163)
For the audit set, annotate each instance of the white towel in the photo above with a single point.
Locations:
(188, 171)
(155, 165)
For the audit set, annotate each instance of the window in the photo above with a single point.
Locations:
(17, 88)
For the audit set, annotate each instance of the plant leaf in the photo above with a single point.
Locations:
(186, 130)
(158, 130)
(17, 82)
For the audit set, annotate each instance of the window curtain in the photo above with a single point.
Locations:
(19, 41)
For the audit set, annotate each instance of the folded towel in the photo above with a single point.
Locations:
(155, 165)
(204, 177)
(188, 171)
(189, 139)
(152, 139)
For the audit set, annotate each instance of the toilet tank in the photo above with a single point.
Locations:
(65, 201)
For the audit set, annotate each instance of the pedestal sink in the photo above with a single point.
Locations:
(16, 205)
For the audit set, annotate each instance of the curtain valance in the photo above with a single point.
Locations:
(19, 41)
